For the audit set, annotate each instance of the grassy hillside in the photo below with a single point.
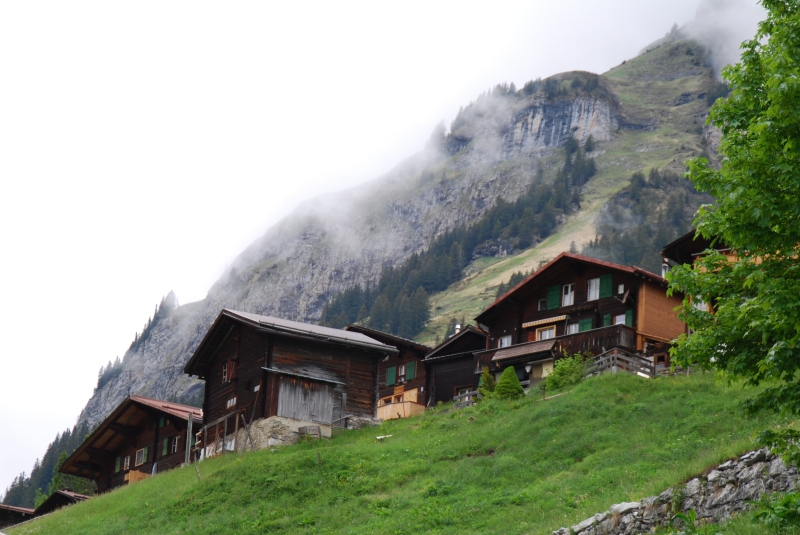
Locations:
(661, 101)
(500, 467)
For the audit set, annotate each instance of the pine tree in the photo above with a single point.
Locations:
(487, 384)
(509, 387)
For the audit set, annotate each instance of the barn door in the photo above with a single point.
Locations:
(302, 399)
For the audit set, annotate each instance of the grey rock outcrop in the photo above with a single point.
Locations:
(727, 489)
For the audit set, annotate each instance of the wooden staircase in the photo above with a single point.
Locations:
(616, 360)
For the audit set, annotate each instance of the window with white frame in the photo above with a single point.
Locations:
(231, 403)
(620, 289)
(126, 462)
(504, 341)
(224, 372)
(594, 289)
(699, 304)
(546, 333)
(619, 319)
(401, 373)
(141, 456)
(572, 328)
(542, 304)
(173, 447)
(568, 295)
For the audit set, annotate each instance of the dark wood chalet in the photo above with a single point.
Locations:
(401, 378)
(140, 438)
(10, 515)
(576, 304)
(451, 365)
(259, 367)
(687, 248)
(59, 499)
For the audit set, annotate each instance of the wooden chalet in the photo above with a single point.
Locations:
(688, 247)
(576, 304)
(142, 437)
(401, 378)
(11, 516)
(59, 499)
(259, 367)
(451, 366)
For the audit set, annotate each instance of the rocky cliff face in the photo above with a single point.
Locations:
(334, 242)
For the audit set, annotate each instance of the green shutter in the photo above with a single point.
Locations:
(164, 447)
(391, 374)
(629, 318)
(161, 422)
(410, 369)
(606, 283)
(606, 320)
(144, 457)
(553, 297)
(116, 464)
(585, 325)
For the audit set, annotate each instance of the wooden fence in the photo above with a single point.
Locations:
(616, 360)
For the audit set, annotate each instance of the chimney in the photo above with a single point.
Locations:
(458, 328)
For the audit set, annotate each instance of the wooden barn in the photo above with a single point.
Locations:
(59, 499)
(401, 378)
(258, 367)
(10, 515)
(451, 366)
(576, 304)
(142, 437)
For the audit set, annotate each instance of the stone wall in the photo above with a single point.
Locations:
(715, 497)
(276, 431)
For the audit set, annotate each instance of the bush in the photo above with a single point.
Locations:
(566, 372)
(508, 387)
(487, 383)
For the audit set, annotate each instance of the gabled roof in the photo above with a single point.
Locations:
(11, 515)
(441, 351)
(222, 326)
(564, 257)
(387, 338)
(58, 499)
(683, 250)
(118, 426)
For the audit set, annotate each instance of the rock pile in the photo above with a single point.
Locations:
(723, 492)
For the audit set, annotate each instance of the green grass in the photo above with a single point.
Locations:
(500, 467)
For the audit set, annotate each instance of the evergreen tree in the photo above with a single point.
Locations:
(487, 384)
(509, 387)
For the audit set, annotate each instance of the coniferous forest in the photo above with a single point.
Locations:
(398, 302)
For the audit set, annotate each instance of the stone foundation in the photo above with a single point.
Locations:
(715, 497)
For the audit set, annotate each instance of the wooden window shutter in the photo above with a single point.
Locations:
(410, 370)
(585, 325)
(231, 370)
(553, 297)
(164, 447)
(606, 283)
(144, 455)
(606, 320)
(391, 375)
(161, 422)
(116, 464)
(629, 318)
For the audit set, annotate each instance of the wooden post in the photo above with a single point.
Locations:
(235, 430)
(224, 435)
(189, 438)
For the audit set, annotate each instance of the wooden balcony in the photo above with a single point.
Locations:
(597, 341)
(403, 409)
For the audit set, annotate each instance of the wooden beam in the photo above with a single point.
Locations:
(92, 467)
(103, 455)
(124, 430)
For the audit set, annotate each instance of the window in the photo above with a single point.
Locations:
(117, 464)
(594, 290)
(391, 374)
(620, 289)
(225, 372)
(231, 403)
(141, 456)
(401, 373)
(542, 304)
(546, 333)
(699, 304)
(504, 341)
(568, 295)
(174, 445)
(619, 319)
(126, 462)
(572, 328)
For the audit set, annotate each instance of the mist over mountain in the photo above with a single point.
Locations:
(647, 113)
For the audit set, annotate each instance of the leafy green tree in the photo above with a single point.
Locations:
(567, 371)
(754, 331)
(508, 386)
(487, 384)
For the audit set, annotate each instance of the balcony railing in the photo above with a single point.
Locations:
(597, 340)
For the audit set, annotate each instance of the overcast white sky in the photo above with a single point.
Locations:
(144, 144)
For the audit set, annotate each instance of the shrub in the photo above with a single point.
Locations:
(566, 372)
(487, 384)
(508, 387)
